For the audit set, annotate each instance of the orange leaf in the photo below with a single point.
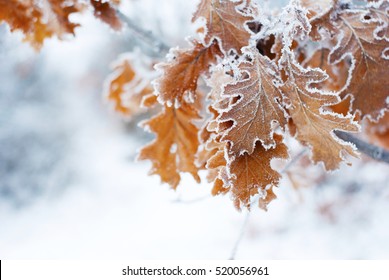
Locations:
(337, 74)
(226, 22)
(363, 38)
(378, 132)
(126, 89)
(175, 146)
(180, 74)
(37, 22)
(252, 174)
(257, 109)
(314, 126)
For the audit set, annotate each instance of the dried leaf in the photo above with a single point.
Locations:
(39, 22)
(316, 7)
(106, 13)
(175, 146)
(362, 38)
(257, 111)
(226, 22)
(314, 126)
(252, 174)
(337, 74)
(127, 89)
(378, 132)
(180, 74)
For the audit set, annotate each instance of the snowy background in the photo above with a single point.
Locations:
(69, 186)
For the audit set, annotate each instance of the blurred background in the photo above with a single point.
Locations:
(69, 186)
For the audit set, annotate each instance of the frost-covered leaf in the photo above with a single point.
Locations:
(252, 174)
(176, 143)
(257, 110)
(316, 7)
(370, 67)
(362, 38)
(378, 132)
(337, 74)
(181, 73)
(216, 166)
(225, 21)
(315, 126)
(126, 89)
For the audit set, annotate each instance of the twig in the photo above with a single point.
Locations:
(372, 151)
(156, 44)
(243, 228)
(293, 161)
(240, 236)
(194, 200)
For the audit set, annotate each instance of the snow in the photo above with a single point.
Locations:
(70, 189)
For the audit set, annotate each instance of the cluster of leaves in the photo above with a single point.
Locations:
(248, 81)
(319, 66)
(39, 20)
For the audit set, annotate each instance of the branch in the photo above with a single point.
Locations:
(372, 151)
(240, 236)
(155, 43)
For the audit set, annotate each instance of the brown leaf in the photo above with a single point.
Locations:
(252, 174)
(362, 37)
(378, 132)
(314, 126)
(337, 74)
(127, 89)
(180, 74)
(368, 79)
(38, 23)
(316, 7)
(216, 166)
(62, 11)
(257, 109)
(106, 13)
(175, 146)
(225, 23)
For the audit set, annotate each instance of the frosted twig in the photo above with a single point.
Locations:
(372, 151)
(240, 236)
(194, 200)
(293, 161)
(156, 44)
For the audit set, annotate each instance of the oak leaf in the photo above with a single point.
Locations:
(370, 68)
(257, 110)
(378, 132)
(175, 145)
(181, 73)
(39, 22)
(314, 126)
(362, 37)
(337, 74)
(252, 174)
(225, 22)
(127, 89)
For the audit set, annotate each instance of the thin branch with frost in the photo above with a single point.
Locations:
(240, 236)
(368, 149)
(156, 44)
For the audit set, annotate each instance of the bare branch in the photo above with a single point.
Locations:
(372, 151)
(156, 44)
(240, 236)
